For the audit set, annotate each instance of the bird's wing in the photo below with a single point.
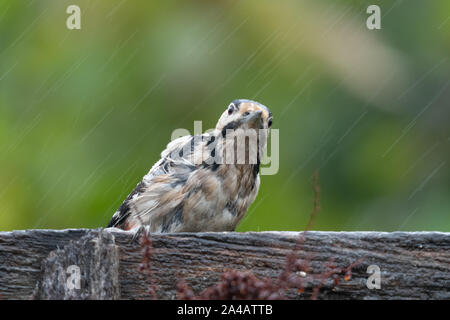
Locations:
(171, 170)
(169, 156)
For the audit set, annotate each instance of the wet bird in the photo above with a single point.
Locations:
(203, 182)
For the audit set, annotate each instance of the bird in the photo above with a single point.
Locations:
(203, 182)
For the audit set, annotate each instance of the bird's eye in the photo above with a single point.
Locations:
(269, 123)
(230, 109)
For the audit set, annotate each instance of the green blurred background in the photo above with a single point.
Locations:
(85, 113)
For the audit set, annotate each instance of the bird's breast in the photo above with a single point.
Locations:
(223, 196)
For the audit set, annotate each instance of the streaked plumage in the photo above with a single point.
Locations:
(193, 187)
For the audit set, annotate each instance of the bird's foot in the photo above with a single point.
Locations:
(139, 232)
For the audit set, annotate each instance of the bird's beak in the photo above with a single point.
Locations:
(254, 118)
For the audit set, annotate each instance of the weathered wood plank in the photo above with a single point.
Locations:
(414, 265)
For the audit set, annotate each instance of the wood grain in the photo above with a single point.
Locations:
(33, 263)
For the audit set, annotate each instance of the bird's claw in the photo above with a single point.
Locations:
(139, 232)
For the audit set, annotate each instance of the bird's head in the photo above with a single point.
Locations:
(246, 118)
(245, 114)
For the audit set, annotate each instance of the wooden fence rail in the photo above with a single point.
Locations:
(42, 264)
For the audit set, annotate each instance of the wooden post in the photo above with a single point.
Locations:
(34, 264)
